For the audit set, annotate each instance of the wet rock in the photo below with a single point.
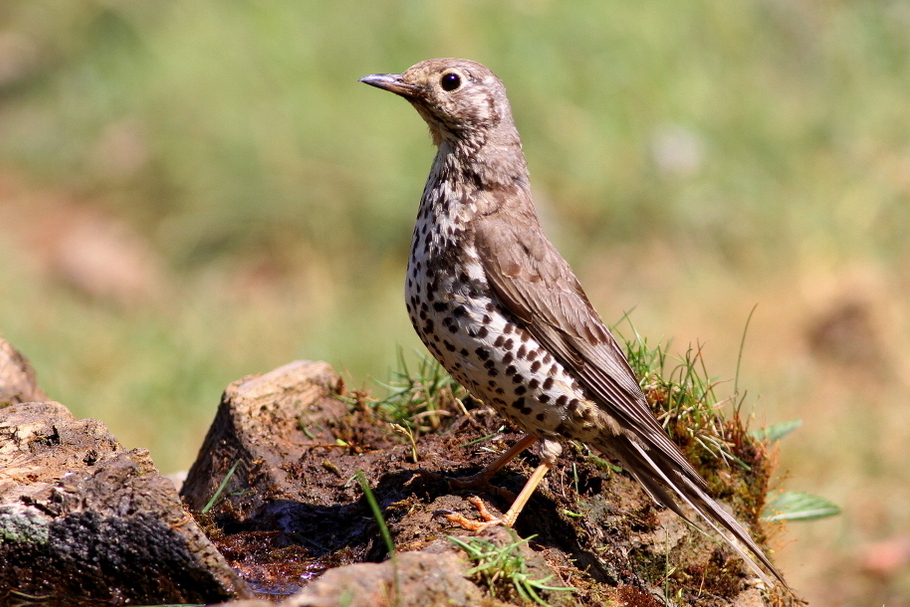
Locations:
(280, 460)
(264, 425)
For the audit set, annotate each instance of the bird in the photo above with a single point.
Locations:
(503, 312)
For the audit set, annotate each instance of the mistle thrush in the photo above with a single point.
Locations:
(503, 312)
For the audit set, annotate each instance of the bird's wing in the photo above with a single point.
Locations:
(532, 280)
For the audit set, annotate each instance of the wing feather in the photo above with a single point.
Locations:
(532, 280)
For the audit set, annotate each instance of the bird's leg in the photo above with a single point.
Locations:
(483, 477)
(508, 519)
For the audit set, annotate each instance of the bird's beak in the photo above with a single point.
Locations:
(391, 82)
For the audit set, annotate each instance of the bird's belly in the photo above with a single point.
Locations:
(498, 360)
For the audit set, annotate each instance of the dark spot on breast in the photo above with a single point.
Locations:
(548, 383)
(544, 398)
(509, 344)
(511, 370)
(562, 400)
(464, 351)
(535, 366)
(482, 332)
(518, 403)
(486, 319)
(489, 364)
(547, 359)
(497, 343)
(508, 328)
(449, 346)
(521, 352)
(482, 353)
(541, 416)
(507, 359)
(439, 306)
(460, 310)
(490, 307)
(534, 383)
(527, 411)
(520, 390)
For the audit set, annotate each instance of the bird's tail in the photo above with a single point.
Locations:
(649, 465)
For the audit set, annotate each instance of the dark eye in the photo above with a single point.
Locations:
(450, 81)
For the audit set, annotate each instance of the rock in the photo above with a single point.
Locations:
(424, 579)
(82, 518)
(17, 378)
(287, 509)
(262, 425)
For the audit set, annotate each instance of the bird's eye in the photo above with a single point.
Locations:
(450, 81)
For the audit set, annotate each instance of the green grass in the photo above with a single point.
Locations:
(503, 569)
(416, 397)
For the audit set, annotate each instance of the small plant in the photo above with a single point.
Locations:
(503, 568)
(682, 397)
(221, 487)
(685, 402)
(383, 531)
(419, 399)
(798, 506)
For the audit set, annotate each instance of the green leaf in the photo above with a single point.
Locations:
(776, 432)
(797, 506)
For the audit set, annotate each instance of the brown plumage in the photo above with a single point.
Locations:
(501, 309)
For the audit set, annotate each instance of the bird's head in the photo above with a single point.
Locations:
(462, 101)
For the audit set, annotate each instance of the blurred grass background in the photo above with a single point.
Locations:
(196, 190)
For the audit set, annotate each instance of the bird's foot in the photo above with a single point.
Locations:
(471, 525)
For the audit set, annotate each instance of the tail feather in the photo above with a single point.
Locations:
(640, 461)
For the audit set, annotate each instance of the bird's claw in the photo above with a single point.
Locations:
(462, 521)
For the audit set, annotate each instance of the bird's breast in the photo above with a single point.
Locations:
(486, 349)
